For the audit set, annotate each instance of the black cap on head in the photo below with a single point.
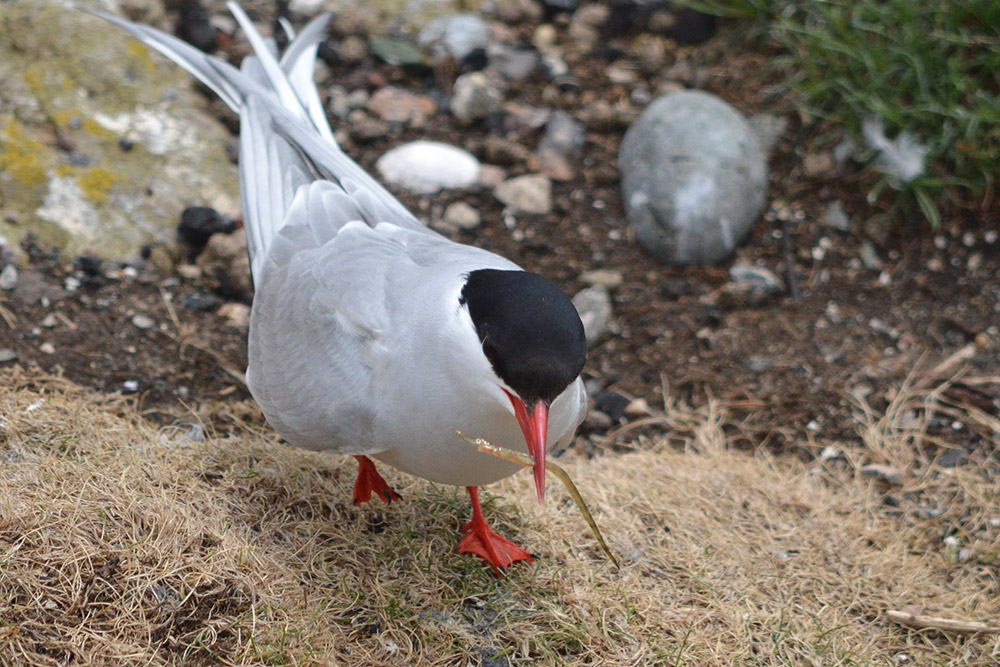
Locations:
(530, 331)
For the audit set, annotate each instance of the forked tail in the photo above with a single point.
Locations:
(285, 139)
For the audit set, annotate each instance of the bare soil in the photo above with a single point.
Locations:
(791, 364)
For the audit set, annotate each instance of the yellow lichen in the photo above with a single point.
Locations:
(96, 184)
(21, 157)
(34, 78)
(139, 50)
(92, 127)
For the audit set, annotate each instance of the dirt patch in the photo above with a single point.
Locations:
(857, 328)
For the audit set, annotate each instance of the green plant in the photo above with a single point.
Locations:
(930, 70)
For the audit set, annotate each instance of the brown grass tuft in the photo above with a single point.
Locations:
(121, 543)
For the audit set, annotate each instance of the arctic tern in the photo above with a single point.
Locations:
(370, 334)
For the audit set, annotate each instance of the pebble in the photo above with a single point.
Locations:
(353, 50)
(226, 262)
(584, 27)
(594, 307)
(305, 9)
(545, 37)
(50, 321)
(461, 215)
(188, 271)
(425, 167)
(756, 276)
(637, 408)
(818, 164)
(398, 105)
(130, 386)
(456, 36)
(531, 193)
(553, 66)
(7, 354)
(237, 313)
(559, 149)
(830, 453)
(161, 259)
(886, 473)
(8, 277)
(869, 257)
(598, 421)
(490, 175)
(768, 129)
(47, 348)
(750, 286)
(608, 278)
(513, 64)
(143, 322)
(476, 95)
(836, 217)
(881, 326)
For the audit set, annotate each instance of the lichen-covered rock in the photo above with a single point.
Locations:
(102, 143)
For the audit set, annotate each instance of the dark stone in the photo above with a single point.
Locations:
(693, 27)
(475, 60)
(198, 223)
(90, 265)
(328, 54)
(199, 301)
(613, 405)
(952, 457)
(551, 8)
(194, 27)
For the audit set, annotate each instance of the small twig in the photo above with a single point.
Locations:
(65, 320)
(946, 368)
(938, 623)
(786, 246)
(8, 316)
(980, 380)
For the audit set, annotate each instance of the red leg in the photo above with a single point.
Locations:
(369, 480)
(482, 541)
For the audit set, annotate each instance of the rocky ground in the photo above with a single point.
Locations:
(862, 306)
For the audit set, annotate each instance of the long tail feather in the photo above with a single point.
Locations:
(285, 139)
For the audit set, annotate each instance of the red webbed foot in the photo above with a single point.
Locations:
(368, 481)
(483, 542)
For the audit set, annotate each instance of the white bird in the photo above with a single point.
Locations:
(370, 334)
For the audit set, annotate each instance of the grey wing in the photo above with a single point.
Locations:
(315, 335)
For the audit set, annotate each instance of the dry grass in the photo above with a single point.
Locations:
(123, 544)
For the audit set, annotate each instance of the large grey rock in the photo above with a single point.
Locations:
(694, 178)
(102, 142)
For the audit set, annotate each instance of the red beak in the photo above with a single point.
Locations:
(534, 423)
